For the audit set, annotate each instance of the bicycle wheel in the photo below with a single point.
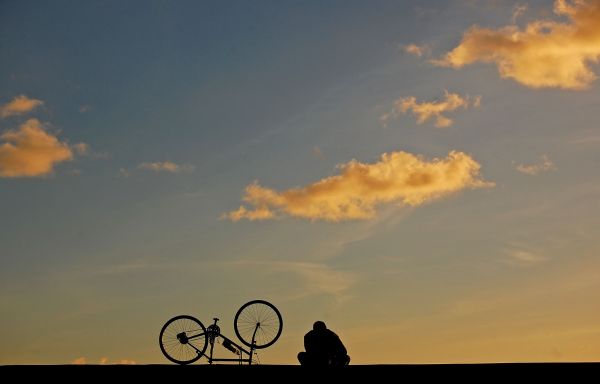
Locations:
(183, 339)
(258, 321)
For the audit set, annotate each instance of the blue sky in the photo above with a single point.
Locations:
(182, 105)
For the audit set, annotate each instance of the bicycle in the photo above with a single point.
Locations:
(184, 339)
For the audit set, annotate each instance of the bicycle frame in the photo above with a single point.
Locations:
(212, 333)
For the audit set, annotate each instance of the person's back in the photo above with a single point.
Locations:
(323, 347)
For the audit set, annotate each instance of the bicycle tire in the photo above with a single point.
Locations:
(186, 351)
(261, 319)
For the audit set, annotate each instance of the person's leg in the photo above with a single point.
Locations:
(341, 360)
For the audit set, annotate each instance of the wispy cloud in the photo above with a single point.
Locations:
(416, 50)
(545, 53)
(544, 165)
(84, 108)
(123, 173)
(430, 109)
(518, 11)
(166, 166)
(398, 177)
(19, 106)
(317, 278)
(103, 361)
(31, 151)
(79, 361)
(317, 152)
(523, 257)
(81, 148)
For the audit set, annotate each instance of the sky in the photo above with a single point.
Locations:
(422, 176)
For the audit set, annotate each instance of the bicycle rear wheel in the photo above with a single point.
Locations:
(183, 339)
(258, 321)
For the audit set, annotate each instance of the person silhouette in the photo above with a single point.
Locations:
(323, 347)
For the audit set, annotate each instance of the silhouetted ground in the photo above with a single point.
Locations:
(480, 373)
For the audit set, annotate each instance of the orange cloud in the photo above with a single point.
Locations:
(545, 53)
(166, 166)
(430, 109)
(19, 105)
(79, 361)
(398, 177)
(416, 50)
(31, 151)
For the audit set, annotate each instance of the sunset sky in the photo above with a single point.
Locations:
(423, 176)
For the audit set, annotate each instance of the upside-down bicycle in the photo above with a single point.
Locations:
(184, 339)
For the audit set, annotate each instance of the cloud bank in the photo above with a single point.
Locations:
(544, 54)
(31, 151)
(430, 109)
(398, 177)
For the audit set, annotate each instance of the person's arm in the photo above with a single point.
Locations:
(307, 345)
(341, 349)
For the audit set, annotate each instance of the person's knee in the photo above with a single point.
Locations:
(302, 358)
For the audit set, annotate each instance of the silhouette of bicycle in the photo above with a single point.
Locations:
(184, 339)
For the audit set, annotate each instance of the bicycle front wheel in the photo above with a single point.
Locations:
(183, 339)
(258, 324)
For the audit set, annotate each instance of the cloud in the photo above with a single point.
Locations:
(166, 166)
(79, 361)
(31, 151)
(84, 108)
(416, 50)
(398, 177)
(518, 11)
(123, 173)
(544, 54)
(523, 257)
(430, 109)
(81, 148)
(19, 106)
(544, 165)
(317, 152)
(318, 278)
(103, 361)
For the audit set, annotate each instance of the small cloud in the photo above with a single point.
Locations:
(317, 152)
(258, 213)
(544, 165)
(79, 361)
(30, 151)
(84, 108)
(398, 177)
(518, 11)
(523, 257)
(127, 362)
(166, 166)
(19, 106)
(587, 140)
(417, 50)
(81, 148)
(430, 109)
(123, 173)
(543, 54)
(103, 360)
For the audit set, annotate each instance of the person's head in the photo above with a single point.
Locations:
(319, 326)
